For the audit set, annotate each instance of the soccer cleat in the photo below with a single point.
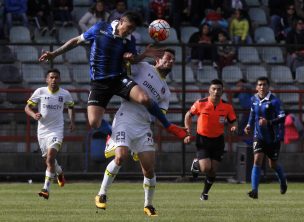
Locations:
(150, 211)
(60, 180)
(110, 147)
(195, 169)
(283, 188)
(204, 196)
(178, 131)
(253, 194)
(101, 201)
(44, 193)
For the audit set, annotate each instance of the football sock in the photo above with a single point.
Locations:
(58, 168)
(109, 176)
(149, 188)
(48, 179)
(255, 177)
(156, 111)
(208, 183)
(280, 174)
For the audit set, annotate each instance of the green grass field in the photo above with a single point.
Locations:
(173, 201)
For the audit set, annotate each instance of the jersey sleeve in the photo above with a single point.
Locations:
(194, 110)
(90, 34)
(251, 118)
(35, 98)
(69, 100)
(164, 104)
(279, 113)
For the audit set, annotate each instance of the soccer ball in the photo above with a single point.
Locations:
(159, 30)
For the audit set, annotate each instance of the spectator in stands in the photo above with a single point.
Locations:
(120, 9)
(205, 50)
(295, 53)
(159, 9)
(294, 129)
(95, 14)
(40, 11)
(239, 28)
(225, 51)
(215, 19)
(15, 9)
(229, 6)
(62, 11)
(299, 7)
(282, 24)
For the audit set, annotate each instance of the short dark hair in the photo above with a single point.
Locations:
(133, 17)
(172, 51)
(52, 70)
(217, 82)
(263, 78)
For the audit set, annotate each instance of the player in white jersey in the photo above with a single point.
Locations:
(131, 128)
(50, 102)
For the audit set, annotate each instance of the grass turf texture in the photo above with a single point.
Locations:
(173, 202)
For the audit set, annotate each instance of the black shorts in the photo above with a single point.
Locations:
(103, 90)
(212, 148)
(271, 150)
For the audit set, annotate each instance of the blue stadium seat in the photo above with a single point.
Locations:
(264, 35)
(257, 16)
(177, 72)
(33, 73)
(6, 55)
(26, 53)
(231, 74)
(300, 74)
(19, 34)
(66, 33)
(248, 55)
(206, 74)
(45, 39)
(77, 55)
(272, 55)
(145, 37)
(255, 71)
(289, 98)
(64, 73)
(281, 74)
(81, 74)
(172, 37)
(10, 74)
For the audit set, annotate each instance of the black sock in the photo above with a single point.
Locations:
(208, 183)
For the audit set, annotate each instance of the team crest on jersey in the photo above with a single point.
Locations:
(163, 90)
(60, 99)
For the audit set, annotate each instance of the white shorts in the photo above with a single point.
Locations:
(137, 139)
(50, 142)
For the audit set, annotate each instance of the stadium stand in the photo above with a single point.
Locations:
(77, 55)
(263, 35)
(10, 74)
(6, 54)
(248, 55)
(206, 74)
(19, 34)
(272, 55)
(26, 53)
(257, 16)
(231, 74)
(281, 74)
(186, 32)
(255, 71)
(33, 73)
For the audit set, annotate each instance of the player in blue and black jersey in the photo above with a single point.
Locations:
(267, 119)
(111, 44)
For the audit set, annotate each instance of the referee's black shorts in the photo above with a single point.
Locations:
(103, 90)
(210, 148)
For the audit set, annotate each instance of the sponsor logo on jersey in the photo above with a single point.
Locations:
(152, 90)
(53, 107)
(163, 90)
(60, 99)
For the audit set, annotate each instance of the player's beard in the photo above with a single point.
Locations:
(165, 71)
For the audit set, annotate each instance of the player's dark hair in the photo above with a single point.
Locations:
(172, 51)
(217, 82)
(53, 70)
(263, 78)
(133, 17)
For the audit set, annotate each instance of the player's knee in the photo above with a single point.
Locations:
(119, 159)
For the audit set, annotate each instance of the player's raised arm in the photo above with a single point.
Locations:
(70, 44)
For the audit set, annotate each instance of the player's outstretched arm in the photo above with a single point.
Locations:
(72, 43)
(188, 122)
(151, 52)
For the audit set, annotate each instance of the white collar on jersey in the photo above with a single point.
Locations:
(265, 98)
(114, 26)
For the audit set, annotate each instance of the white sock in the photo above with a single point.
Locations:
(109, 175)
(149, 188)
(48, 179)
(58, 168)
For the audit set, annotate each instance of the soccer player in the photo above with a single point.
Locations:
(267, 118)
(212, 114)
(110, 44)
(131, 129)
(50, 101)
